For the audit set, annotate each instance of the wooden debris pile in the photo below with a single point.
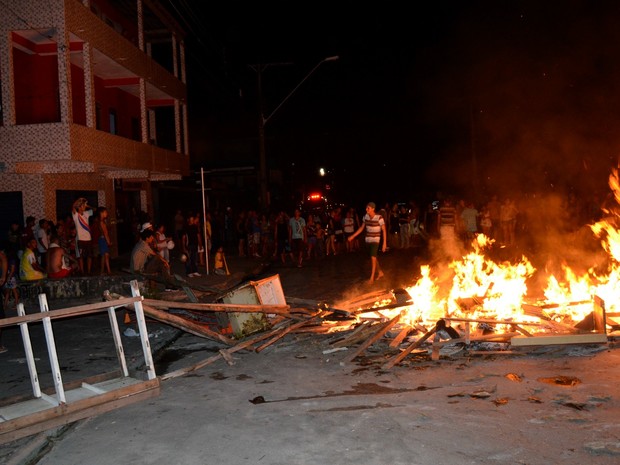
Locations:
(376, 319)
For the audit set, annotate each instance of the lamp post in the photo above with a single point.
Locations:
(263, 120)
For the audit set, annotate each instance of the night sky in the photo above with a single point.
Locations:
(460, 97)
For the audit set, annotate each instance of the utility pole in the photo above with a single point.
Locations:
(263, 181)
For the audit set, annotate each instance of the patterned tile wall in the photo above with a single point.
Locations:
(67, 156)
(34, 142)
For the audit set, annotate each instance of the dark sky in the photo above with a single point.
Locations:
(458, 96)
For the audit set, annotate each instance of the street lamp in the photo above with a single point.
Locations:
(262, 121)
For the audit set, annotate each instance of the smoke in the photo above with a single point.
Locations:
(526, 104)
(448, 247)
(553, 234)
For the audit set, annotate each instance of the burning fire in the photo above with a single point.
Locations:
(484, 289)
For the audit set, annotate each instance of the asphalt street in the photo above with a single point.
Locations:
(301, 402)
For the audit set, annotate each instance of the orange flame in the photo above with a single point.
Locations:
(498, 290)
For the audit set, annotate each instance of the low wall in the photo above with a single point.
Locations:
(89, 288)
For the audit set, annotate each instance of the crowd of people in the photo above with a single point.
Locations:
(55, 249)
(298, 235)
(80, 244)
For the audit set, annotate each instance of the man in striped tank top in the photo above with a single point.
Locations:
(374, 224)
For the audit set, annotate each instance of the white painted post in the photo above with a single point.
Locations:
(32, 368)
(144, 335)
(51, 349)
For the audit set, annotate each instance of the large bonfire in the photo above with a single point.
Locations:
(485, 289)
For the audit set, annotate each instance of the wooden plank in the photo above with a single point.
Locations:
(594, 338)
(375, 337)
(67, 312)
(493, 322)
(226, 356)
(129, 388)
(186, 325)
(241, 346)
(600, 318)
(190, 294)
(500, 337)
(398, 358)
(522, 331)
(67, 413)
(401, 336)
(365, 299)
(534, 310)
(287, 330)
(359, 334)
(214, 307)
(493, 352)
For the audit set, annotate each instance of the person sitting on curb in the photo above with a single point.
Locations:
(145, 260)
(29, 268)
(59, 261)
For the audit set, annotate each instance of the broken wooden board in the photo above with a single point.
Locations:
(186, 325)
(220, 307)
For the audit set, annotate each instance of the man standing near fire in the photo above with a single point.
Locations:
(374, 224)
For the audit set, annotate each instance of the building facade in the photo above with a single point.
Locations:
(94, 104)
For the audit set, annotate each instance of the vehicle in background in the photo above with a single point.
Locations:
(314, 203)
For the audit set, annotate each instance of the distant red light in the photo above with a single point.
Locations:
(315, 197)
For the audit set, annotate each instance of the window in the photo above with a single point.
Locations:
(98, 116)
(112, 121)
(136, 130)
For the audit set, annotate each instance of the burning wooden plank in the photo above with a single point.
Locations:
(366, 299)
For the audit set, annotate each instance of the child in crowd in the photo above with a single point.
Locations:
(221, 268)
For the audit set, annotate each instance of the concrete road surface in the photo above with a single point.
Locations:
(301, 402)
